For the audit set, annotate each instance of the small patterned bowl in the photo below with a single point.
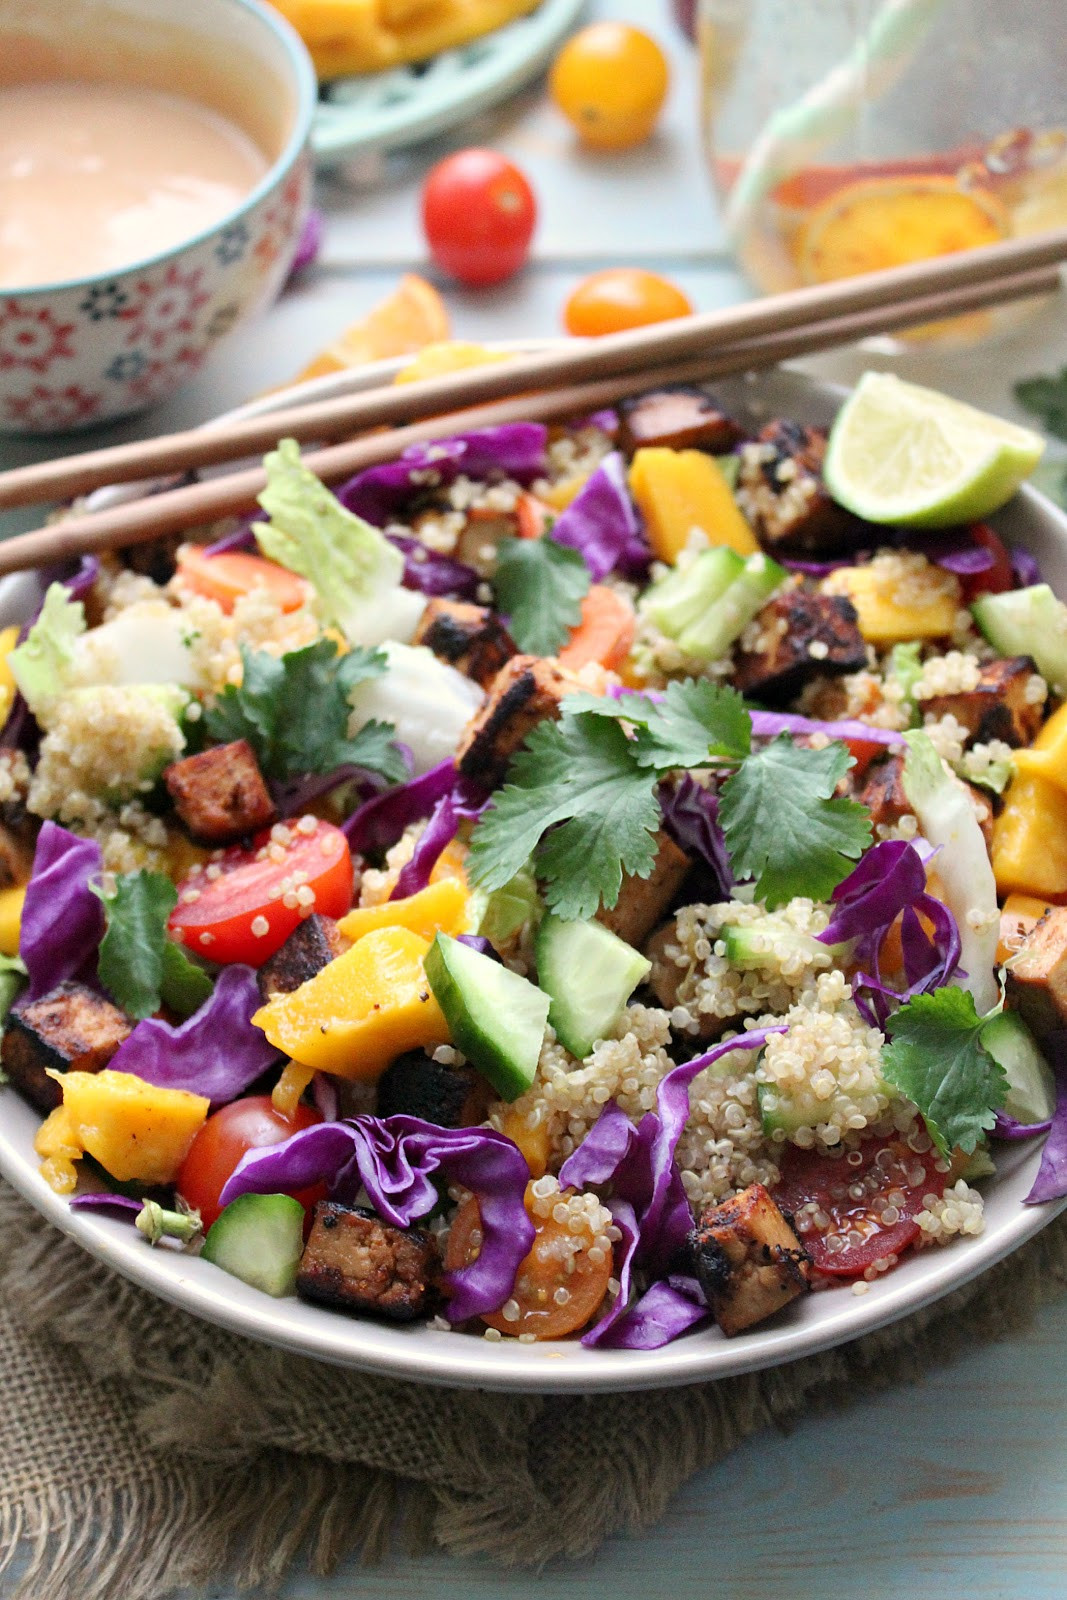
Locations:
(89, 349)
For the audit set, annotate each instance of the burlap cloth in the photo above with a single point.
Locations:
(141, 1449)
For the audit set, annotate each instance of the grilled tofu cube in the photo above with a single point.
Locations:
(470, 638)
(312, 945)
(220, 794)
(70, 1029)
(525, 692)
(643, 902)
(418, 1086)
(678, 418)
(804, 636)
(883, 793)
(781, 491)
(355, 1261)
(16, 858)
(1037, 974)
(748, 1260)
(999, 707)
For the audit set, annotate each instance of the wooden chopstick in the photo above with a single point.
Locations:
(174, 510)
(925, 282)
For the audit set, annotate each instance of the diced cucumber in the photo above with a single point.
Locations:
(777, 1112)
(682, 597)
(1028, 622)
(495, 1017)
(259, 1238)
(1031, 1085)
(589, 973)
(715, 630)
(768, 942)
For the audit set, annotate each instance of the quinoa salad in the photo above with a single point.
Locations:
(577, 881)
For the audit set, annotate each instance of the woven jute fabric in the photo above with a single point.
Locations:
(142, 1450)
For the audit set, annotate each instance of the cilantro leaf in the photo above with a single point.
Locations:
(689, 724)
(580, 774)
(1046, 398)
(783, 825)
(294, 712)
(938, 1061)
(139, 966)
(540, 586)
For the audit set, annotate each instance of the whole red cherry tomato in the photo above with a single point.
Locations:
(478, 214)
(222, 1141)
(995, 578)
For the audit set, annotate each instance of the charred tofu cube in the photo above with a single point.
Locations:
(781, 491)
(748, 1260)
(418, 1086)
(16, 858)
(70, 1029)
(356, 1262)
(643, 902)
(470, 638)
(312, 945)
(1001, 706)
(803, 636)
(1037, 974)
(883, 793)
(525, 692)
(220, 794)
(678, 418)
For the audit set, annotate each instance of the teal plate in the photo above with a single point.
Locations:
(388, 110)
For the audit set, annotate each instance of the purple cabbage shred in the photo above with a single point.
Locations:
(691, 818)
(512, 450)
(62, 919)
(602, 524)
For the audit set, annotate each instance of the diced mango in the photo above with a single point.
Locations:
(59, 1148)
(9, 638)
(1030, 839)
(285, 1096)
(533, 1142)
(11, 903)
(1047, 756)
(360, 1011)
(1019, 915)
(442, 907)
(137, 1131)
(437, 360)
(679, 490)
(559, 495)
(886, 619)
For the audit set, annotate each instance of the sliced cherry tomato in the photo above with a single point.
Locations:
(478, 214)
(225, 578)
(542, 1281)
(247, 908)
(863, 752)
(222, 1141)
(995, 579)
(869, 1205)
(622, 297)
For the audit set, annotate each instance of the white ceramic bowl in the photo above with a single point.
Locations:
(89, 349)
(420, 1352)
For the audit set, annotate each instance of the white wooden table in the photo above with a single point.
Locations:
(958, 1487)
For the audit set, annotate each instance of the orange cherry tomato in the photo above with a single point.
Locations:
(225, 578)
(610, 80)
(478, 215)
(551, 1300)
(622, 297)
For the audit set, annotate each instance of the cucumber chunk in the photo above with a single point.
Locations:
(712, 634)
(681, 598)
(1031, 1085)
(769, 943)
(259, 1238)
(1028, 622)
(495, 1017)
(589, 973)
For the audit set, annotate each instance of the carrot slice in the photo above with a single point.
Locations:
(226, 577)
(605, 632)
(531, 515)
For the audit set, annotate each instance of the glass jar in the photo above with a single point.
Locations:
(848, 135)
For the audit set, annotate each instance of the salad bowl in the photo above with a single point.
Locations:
(427, 1353)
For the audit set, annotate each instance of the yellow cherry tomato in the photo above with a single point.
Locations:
(622, 297)
(610, 81)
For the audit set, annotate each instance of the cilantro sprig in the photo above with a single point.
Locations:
(580, 798)
(540, 586)
(294, 711)
(139, 965)
(936, 1058)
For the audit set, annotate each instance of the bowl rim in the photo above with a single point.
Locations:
(307, 93)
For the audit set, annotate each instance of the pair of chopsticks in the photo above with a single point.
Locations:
(558, 382)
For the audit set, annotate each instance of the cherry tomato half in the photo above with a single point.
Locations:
(222, 1141)
(870, 1205)
(996, 579)
(478, 214)
(622, 297)
(610, 80)
(231, 574)
(247, 909)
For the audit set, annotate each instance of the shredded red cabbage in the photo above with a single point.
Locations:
(216, 1052)
(1006, 1127)
(241, 538)
(434, 574)
(1051, 1180)
(124, 1204)
(602, 524)
(324, 1093)
(379, 822)
(395, 1160)
(669, 1308)
(1025, 568)
(62, 919)
(956, 551)
(513, 450)
(691, 818)
(768, 724)
(889, 877)
(606, 420)
(821, 569)
(463, 801)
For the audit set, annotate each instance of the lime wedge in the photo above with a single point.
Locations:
(911, 457)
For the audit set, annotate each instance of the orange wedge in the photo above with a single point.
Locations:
(414, 315)
(885, 222)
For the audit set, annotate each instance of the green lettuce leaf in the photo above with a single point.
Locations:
(43, 664)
